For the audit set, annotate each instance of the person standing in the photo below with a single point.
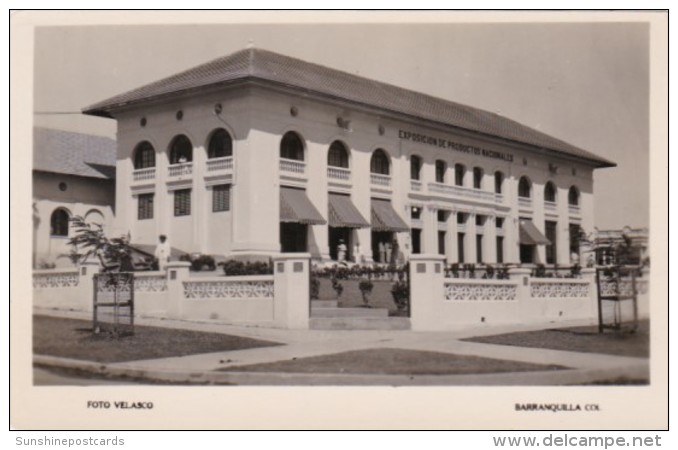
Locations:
(382, 252)
(162, 252)
(341, 251)
(388, 250)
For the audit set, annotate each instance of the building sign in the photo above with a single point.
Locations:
(444, 143)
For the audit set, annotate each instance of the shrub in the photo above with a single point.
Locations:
(315, 287)
(539, 271)
(489, 272)
(400, 292)
(337, 286)
(234, 267)
(575, 271)
(365, 287)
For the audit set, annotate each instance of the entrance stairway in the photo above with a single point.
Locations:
(326, 315)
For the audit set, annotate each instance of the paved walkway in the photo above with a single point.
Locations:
(585, 367)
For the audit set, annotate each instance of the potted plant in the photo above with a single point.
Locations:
(337, 286)
(400, 292)
(365, 287)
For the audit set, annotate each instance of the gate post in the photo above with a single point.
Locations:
(291, 285)
(427, 295)
(589, 274)
(86, 271)
(177, 272)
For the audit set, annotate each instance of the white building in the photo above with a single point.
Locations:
(73, 175)
(257, 153)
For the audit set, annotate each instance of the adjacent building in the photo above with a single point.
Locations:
(257, 153)
(73, 175)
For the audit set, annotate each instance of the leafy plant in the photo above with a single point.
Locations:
(89, 240)
(315, 287)
(489, 272)
(234, 267)
(338, 287)
(400, 292)
(366, 287)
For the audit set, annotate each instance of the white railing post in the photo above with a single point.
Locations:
(177, 273)
(426, 291)
(291, 305)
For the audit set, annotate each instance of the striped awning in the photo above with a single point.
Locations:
(343, 213)
(295, 207)
(384, 217)
(530, 235)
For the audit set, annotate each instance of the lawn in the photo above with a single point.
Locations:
(72, 338)
(390, 361)
(579, 339)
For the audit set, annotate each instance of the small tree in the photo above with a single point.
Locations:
(365, 287)
(337, 286)
(90, 240)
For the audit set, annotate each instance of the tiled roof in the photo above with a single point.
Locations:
(262, 65)
(73, 153)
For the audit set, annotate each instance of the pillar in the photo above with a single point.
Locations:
(426, 291)
(177, 273)
(291, 281)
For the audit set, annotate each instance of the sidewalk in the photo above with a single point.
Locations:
(208, 368)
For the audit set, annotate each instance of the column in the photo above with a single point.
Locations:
(451, 245)
(470, 247)
(429, 238)
(256, 199)
(490, 241)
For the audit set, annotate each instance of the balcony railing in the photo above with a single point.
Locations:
(461, 227)
(144, 174)
(181, 169)
(480, 229)
(417, 223)
(459, 191)
(415, 185)
(550, 206)
(220, 164)
(442, 226)
(293, 166)
(339, 173)
(380, 180)
(573, 209)
(499, 231)
(499, 198)
(525, 202)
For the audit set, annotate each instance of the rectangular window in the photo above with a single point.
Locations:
(461, 217)
(550, 233)
(441, 168)
(499, 222)
(441, 242)
(221, 197)
(575, 231)
(460, 247)
(415, 212)
(500, 249)
(145, 206)
(442, 215)
(416, 241)
(182, 202)
(480, 220)
(479, 248)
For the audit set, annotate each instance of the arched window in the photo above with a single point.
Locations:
(379, 163)
(415, 167)
(498, 182)
(573, 196)
(524, 187)
(459, 172)
(549, 192)
(221, 144)
(292, 147)
(144, 156)
(441, 168)
(477, 178)
(181, 150)
(337, 156)
(59, 222)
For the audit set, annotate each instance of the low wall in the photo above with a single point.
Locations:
(442, 303)
(281, 299)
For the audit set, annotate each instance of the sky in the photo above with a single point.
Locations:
(584, 83)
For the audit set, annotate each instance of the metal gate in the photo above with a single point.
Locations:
(617, 298)
(113, 305)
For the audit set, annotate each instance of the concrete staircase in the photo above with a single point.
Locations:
(326, 315)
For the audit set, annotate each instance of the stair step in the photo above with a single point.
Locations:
(324, 303)
(359, 323)
(349, 312)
